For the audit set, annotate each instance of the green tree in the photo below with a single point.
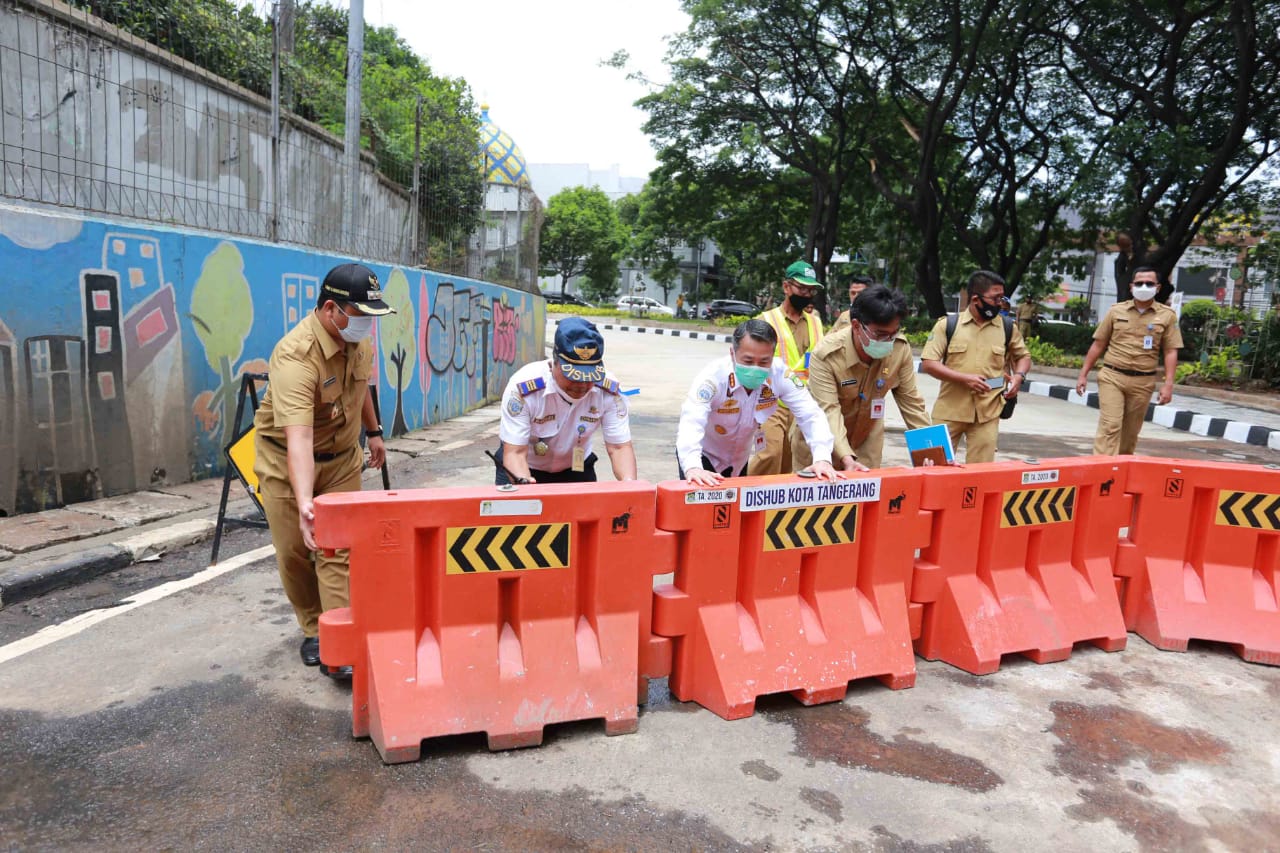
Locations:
(581, 233)
(222, 315)
(1192, 88)
(398, 342)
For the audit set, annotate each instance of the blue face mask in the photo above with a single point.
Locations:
(750, 377)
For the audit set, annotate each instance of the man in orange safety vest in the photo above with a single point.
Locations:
(799, 331)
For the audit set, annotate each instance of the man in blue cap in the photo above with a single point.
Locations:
(551, 410)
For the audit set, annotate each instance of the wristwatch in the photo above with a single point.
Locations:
(1020, 373)
(373, 433)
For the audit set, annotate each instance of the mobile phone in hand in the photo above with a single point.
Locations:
(995, 383)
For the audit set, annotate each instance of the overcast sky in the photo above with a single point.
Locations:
(537, 66)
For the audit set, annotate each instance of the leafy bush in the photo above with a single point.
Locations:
(1223, 366)
(585, 311)
(731, 322)
(1046, 354)
(917, 339)
(918, 323)
(1073, 340)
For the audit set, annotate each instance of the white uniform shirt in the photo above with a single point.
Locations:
(550, 416)
(720, 418)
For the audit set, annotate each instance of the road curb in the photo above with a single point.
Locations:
(19, 583)
(1171, 417)
(41, 576)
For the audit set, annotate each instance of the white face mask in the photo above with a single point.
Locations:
(358, 328)
(1144, 292)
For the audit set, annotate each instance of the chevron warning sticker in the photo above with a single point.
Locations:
(1249, 509)
(810, 527)
(1038, 506)
(507, 548)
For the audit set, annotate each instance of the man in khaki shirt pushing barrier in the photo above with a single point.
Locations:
(851, 374)
(307, 440)
(1139, 336)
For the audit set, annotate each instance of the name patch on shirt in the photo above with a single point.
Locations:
(845, 382)
(330, 381)
(544, 418)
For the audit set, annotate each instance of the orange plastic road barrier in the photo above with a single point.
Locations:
(1202, 559)
(788, 585)
(1020, 560)
(478, 610)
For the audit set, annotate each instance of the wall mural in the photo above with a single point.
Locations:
(122, 349)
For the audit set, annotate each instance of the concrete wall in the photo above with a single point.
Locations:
(122, 346)
(98, 120)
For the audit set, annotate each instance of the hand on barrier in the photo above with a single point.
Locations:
(851, 464)
(377, 452)
(703, 477)
(823, 471)
(307, 524)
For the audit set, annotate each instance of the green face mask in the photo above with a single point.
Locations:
(750, 377)
(875, 349)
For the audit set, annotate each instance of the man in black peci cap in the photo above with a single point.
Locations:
(551, 409)
(308, 439)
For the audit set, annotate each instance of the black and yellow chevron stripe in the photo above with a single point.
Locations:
(1258, 510)
(1038, 506)
(810, 527)
(507, 548)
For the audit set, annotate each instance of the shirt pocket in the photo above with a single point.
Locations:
(997, 358)
(327, 400)
(545, 430)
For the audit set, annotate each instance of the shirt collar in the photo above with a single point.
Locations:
(328, 346)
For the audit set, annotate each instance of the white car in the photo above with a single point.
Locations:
(644, 305)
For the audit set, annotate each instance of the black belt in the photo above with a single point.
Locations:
(319, 457)
(1130, 372)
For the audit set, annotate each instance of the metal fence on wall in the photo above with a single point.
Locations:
(95, 118)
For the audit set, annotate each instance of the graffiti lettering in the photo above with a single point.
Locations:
(454, 339)
(506, 329)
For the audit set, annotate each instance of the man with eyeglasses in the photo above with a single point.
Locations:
(970, 358)
(798, 331)
(851, 373)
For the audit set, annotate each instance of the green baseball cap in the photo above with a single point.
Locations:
(802, 273)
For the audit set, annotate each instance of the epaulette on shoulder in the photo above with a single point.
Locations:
(610, 386)
(529, 386)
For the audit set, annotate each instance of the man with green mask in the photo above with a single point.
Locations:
(851, 374)
(722, 420)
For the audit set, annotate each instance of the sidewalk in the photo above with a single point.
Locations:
(44, 550)
(1252, 419)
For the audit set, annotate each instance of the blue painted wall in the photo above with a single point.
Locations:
(122, 348)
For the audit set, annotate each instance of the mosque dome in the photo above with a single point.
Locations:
(503, 162)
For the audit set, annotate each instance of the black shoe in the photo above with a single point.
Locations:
(337, 673)
(310, 651)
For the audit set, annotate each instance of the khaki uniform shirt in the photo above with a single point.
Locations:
(319, 382)
(976, 347)
(842, 321)
(1125, 332)
(847, 389)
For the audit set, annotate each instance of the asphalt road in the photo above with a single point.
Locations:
(164, 708)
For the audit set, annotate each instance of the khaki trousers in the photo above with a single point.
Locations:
(869, 453)
(979, 439)
(1122, 408)
(313, 582)
(775, 458)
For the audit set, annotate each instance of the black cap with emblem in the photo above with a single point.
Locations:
(357, 284)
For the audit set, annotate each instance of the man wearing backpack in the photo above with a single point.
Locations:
(969, 354)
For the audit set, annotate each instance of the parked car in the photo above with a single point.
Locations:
(555, 297)
(645, 305)
(729, 308)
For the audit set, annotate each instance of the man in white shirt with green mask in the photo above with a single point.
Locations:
(722, 419)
